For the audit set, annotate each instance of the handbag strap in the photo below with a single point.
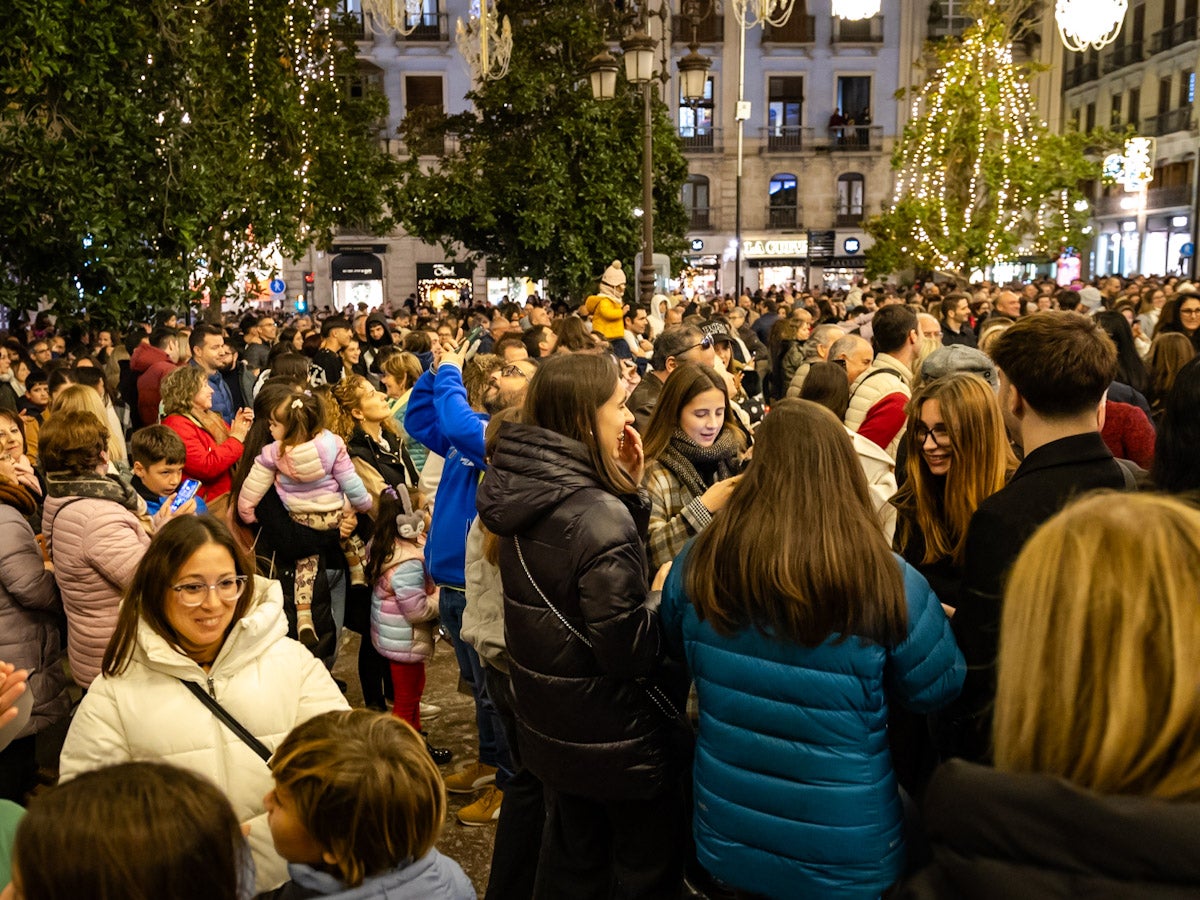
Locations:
(230, 722)
(653, 691)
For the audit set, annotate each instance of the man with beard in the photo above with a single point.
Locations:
(441, 417)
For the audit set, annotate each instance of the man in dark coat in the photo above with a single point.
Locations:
(1054, 370)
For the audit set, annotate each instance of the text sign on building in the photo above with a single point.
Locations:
(776, 249)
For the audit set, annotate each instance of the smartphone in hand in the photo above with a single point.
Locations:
(473, 335)
(186, 492)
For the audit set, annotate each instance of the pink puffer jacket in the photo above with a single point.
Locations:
(96, 546)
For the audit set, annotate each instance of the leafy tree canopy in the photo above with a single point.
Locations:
(540, 178)
(151, 149)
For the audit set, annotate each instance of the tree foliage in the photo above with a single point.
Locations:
(540, 178)
(152, 149)
(980, 177)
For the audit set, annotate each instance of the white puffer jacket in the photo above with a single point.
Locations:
(886, 375)
(266, 681)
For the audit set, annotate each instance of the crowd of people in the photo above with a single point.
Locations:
(798, 594)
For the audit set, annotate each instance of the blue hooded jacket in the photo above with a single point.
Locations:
(795, 796)
(440, 417)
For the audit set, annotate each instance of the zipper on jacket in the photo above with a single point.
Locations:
(212, 691)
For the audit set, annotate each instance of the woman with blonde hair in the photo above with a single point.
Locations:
(798, 646)
(1097, 742)
(958, 455)
(81, 398)
(213, 450)
(398, 373)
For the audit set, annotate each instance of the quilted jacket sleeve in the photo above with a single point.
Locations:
(625, 632)
(348, 480)
(116, 544)
(256, 485)
(95, 739)
(22, 572)
(926, 669)
(674, 605)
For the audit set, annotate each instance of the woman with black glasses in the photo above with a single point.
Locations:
(196, 621)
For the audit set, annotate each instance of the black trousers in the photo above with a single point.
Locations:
(18, 769)
(612, 851)
(523, 813)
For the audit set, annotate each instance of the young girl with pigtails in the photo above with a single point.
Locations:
(315, 479)
(404, 599)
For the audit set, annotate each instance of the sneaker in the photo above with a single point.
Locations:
(470, 779)
(429, 711)
(485, 810)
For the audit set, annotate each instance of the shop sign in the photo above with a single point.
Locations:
(440, 271)
(776, 248)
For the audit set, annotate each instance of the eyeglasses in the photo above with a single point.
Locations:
(193, 593)
(703, 345)
(1190, 311)
(941, 437)
(513, 371)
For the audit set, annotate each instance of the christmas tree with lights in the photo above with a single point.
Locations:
(979, 177)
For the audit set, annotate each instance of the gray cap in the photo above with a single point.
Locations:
(1090, 297)
(959, 358)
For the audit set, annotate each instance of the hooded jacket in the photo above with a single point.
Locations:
(432, 877)
(587, 726)
(152, 366)
(997, 835)
(403, 603)
(264, 680)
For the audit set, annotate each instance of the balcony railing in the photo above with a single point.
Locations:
(862, 31)
(1166, 197)
(430, 27)
(785, 138)
(1169, 122)
(848, 217)
(432, 145)
(855, 138)
(699, 139)
(783, 217)
(348, 26)
(1123, 55)
(796, 30)
(702, 218)
(1082, 73)
(1179, 33)
(711, 29)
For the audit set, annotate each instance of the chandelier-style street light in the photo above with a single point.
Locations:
(405, 16)
(766, 12)
(856, 10)
(485, 42)
(1089, 24)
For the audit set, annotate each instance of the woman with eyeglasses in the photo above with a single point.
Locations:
(693, 448)
(958, 455)
(195, 618)
(1182, 315)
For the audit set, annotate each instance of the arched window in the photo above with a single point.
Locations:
(850, 191)
(781, 212)
(695, 201)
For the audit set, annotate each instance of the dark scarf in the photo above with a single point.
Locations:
(18, 497)
(95, 486)
(685, 459)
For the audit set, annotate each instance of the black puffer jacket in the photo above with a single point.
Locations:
(998, 835)
(587, 724)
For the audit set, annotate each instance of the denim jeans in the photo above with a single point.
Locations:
(337, 608)
(493, 748)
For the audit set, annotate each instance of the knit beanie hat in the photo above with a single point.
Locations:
(613, 278)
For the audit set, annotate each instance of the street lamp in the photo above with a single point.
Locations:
(602, 70)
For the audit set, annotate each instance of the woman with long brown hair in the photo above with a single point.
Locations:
(958, 455)
(692, 446)
(596, 702)
(1097, 750)
(797, 645)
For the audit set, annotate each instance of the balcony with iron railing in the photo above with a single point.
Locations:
(1168, 197)
(427, 28)
(348, 26)
(1123, 55)
(1179, 33)
(1169, 122)
(430, 145)
(699, 138)
(796, 30)
(783, 217)
(861, 31)
(1081, 73)
(785, 139)
(848, 216)
(701, 218)
(854, 138)
(710, 30)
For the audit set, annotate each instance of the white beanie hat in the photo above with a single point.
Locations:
(614, 277)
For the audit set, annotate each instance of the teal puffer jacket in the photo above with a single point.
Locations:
(794, 791)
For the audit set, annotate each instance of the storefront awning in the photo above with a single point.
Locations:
(357, 267)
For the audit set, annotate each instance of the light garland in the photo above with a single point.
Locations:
(856, 10)
(766, 12)
(405, 16)
(1084, 24)
(485, 42)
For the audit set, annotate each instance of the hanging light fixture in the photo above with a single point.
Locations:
(1084, 24)
(485, 42)
(856, 10)
(602, 70)
(404, 16)
(767, 12)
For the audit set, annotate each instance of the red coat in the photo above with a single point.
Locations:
(207, 461)
(154, 365)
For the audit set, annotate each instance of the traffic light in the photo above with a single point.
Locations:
(309, 284)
